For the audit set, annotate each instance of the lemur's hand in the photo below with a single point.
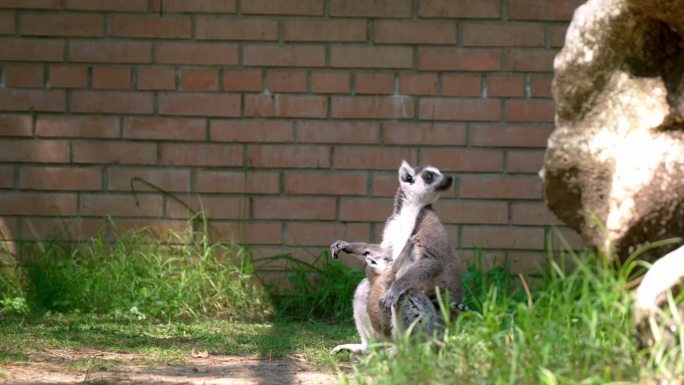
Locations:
(336, 247)
(389, 299)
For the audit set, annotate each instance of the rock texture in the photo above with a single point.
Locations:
(616, 157)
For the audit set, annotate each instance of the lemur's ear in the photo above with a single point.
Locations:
(406, 173)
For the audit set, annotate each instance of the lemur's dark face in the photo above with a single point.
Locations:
(423, 185)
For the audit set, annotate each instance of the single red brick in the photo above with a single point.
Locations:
(121, 205)
(338, 132)
(500, 237)
(294, 208)
(251, 131)
(249, 233)
(170, 179)
(156, 78)
(68, 77)
(31, 4)
(165, 128)
(320, 234)
(211, 207)
(460, 109)
(510, 135)
(16, 125)
(505, 86)
(503, 35)
(184, 154)
(500, 187)
(196, 53)
(61, 228)
(467, 160)
(287, 81)
(418, 84)
(558, 33)
(80, 25)
(325, 30)
(198, 104)
(203, 6)
(212, 28)
(284, 7)
(470, 212)
(164, 229)
(271, 55)
(286, 106)
(283, 156)
(330, 82)
(112, 77)
(245, 80)
(173, 27)
(60, 178)
(532, 213)
(252, 182)
(114, 102)
(371, 57)
(327, 183)
(541, 86)
(461, 85)
(77, 126)
(362, 107)
(376, 8)
(8, 25)
(385, 185)
(530, 60)
(107, 5)
(372, 158)
(365, 209)
(487, 9)
(458, 59)
(100, 51)
(525, 161)
(528, 262)
(114, 152)
(25, 49)
(410, 32)
(43, 204)
(425, 134)
(32, 100)
(199, 80)
(30, 75)
(530, 110)
(374, 83)
(558, 10)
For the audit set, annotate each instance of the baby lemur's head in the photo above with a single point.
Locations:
(422, 185)
(377, 261)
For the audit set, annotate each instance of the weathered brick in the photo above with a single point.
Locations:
(196, 53)
(107, 5)
(558, 33)
(210, 206)
(80, 25)
(383, 107)
(102, 51)
(16, 125)
(330, 82)
(374, 83)
(503, 35)
(26, 203)
(164, 229)
(287, 81)
(458, 59)
(121, 205)
(371, 57)
(31, 4)
(422, 134)
(112, 77)
(242, 80)
(156, 78)
(284, 7)
(410, 32)
(532, 213)
(201, 6)
(500, 187)
(527, 262)
(557, 10)
(114, 102)
(68, 76)
(258, 131)
(198, 104)
(252, 182)
(385, 185)
(320, 234)
(170, 27)
(271, 55)
(184, 154)
(530, 60)
(472, 212)
(32, 100)
(326, 183)
(468, 160)
(510, 135)
(372, 158)
(165, 129)
(418, 84)
(114, 152)
(505, 86)
(199, 80)
(77, 126)
(286, 106)
(525, 161)
(487, 9)
(294, 208)
(338, 132)
(365, 209)
(461, 85)
(8, 25)
(500, 237)
(61, 228)
(170, 179)
(530, 110)
(460, 109)
(249, 233)
(24, 75)
(212, 28)
(283, 156)
(540, 86)
(60, 178)
(376, 8)
(26, 49)
(325, 30)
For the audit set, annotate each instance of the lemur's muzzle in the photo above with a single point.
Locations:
(445, 183)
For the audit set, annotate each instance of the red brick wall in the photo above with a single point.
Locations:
(287, 119)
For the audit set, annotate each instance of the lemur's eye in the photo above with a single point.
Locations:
(428, 176)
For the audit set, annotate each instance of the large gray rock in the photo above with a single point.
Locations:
(616, 157)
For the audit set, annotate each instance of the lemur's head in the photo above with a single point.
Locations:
(422, 185)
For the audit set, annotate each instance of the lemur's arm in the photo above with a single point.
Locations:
(357, 248)
(405, 256)
(423, 270)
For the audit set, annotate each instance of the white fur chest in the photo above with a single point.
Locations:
(398, 230)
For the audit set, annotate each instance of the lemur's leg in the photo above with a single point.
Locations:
(422, 271)
(361, 320)
(357, 248)
(414, 308)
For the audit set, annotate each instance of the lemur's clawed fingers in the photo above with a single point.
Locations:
(389, 299)
(336, 247)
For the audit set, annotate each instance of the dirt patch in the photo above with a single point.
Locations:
(48, 367)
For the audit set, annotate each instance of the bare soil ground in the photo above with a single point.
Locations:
(51, 366)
